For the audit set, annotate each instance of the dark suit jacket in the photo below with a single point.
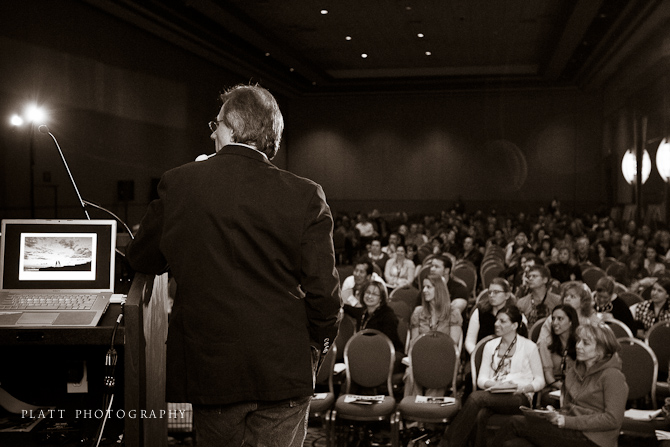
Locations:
(250, 247)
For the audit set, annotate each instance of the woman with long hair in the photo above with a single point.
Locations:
(594, 399)
(510, 372)
(558, 353)
(434, 314)
(655, 309)
(576, 295)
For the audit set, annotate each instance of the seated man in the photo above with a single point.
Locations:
(376, 255)
(458, 293)
(540, 301)
(351, 287)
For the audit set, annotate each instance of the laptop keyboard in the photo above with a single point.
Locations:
(48, 302)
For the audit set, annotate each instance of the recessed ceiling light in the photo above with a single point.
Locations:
(428, 53)
(291, 69)
(324, 11)
(419, 35)
(364, 55)
(408, 8)
(348, 38)
(267, 54)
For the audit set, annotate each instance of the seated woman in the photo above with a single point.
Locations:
(376, 314)
(510, 372)
(577, 295)
(434, 314)
(483, 317)
(399, 271)
(594, 399)
(610, 306)
(558, 352)
(657, 308)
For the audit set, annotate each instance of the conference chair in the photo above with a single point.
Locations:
(369, 358)
(591, 274)
(466, 271)
(630, 298)
(534, 332)
(324, 395)
(658, 339)
(619, 328)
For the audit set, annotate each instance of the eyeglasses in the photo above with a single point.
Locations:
(495, 292)
(534, 276)
(213, 125)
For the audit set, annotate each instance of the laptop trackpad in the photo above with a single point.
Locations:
(42, 318)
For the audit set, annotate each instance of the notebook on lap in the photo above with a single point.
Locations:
(57, 273)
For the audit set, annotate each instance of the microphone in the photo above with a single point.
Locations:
(45, 130)
(203, 157)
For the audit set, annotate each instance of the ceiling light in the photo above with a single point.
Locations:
(348, 38)
(428, 53)
(408, 8)
(324, 11)
(420, 35)
(364, 55)
(16, 120)
(291, 69)
(267, 54)
(35, 114)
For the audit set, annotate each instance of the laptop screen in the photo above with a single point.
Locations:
(58, 254)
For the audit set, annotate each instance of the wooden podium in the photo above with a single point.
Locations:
(35, 357)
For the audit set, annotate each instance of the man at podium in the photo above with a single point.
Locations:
(250, 247)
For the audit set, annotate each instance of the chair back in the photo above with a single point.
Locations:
(619, 328)
(640, 366)
(401, 310)
(476, 359)
(424, 271)
(490, 272)
(630, 298)
(407, 294)
(344, 271)
(434, 360)
(377, 269)
(658, 339)
(346, 331)
(534, 332)
(591, 274)
(369, 357)
(465, 271)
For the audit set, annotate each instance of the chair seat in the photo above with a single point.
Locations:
(360, 412)
(427, 412)
(320, 406)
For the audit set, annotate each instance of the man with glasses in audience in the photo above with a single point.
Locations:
(250, 247)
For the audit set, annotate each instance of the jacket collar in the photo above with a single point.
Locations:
(243, 150)
(606, 363)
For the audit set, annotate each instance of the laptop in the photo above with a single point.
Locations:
(55, 273)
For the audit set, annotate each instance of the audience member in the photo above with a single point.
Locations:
(516, 248)
(509, 362)
(558, 350)
(564, 270)
(376, 255)
(483, 317)
(576, 295)
(399, 270)
(655, 309)
(540, 301)
(652, 261)
(609, 305)
(394, 240)
(434, 314)
(458, 293)
(376, 314)
(471, 252)
(584, 253)
(594, 399)
(352, 285)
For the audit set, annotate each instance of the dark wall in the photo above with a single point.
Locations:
(513, 149)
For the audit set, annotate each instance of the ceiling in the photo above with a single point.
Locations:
(472, 44)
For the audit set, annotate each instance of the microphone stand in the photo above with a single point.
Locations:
(44, 129)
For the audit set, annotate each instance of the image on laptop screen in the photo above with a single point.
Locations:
(58, 257)
(58, 254)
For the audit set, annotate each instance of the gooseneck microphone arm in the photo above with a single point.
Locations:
(44, 129)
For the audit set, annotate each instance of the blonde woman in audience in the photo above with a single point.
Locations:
(510, 372)
(399, 271)
(434, 314)
(594, 400)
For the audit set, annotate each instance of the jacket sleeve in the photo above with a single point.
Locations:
(615, 394)
(143, 253)
(319, 278)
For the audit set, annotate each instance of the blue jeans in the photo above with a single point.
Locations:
(257, 424)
